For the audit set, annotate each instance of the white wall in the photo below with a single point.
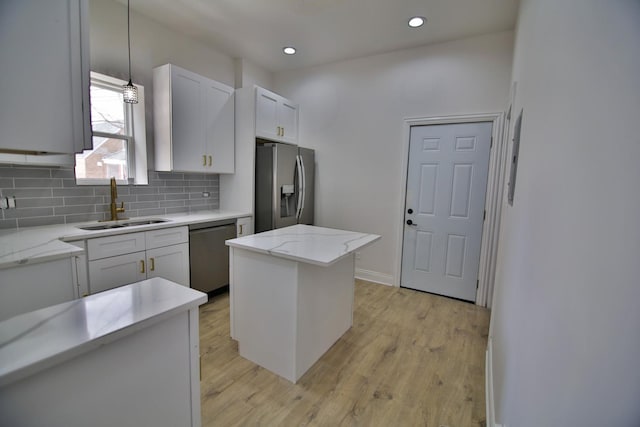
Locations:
(352, 114)
(249, 74)
(565, 322)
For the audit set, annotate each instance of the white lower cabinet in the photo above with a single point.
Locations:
(244, 226)
(169, 262)
(158, 253)
(34, 286)
(108, 273)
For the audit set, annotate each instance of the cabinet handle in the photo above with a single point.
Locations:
(209, 160)
(282, 132)
(204, 160)
(241, 228)
(152, 267)
(141, 266)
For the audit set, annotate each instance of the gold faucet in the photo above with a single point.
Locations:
(115, 210)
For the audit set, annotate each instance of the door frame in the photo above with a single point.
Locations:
(493, 198)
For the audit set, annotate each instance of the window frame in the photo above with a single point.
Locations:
(135, 134)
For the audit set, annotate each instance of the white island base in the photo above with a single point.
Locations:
(124, 357)
(290, 304)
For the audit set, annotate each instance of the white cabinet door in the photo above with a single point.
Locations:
(35, 286)
(267, 114)
(193, 122)
(169, 262)
(186, 118)
(288, 119)
(219, 127)
(276, 117)
(45, 74)
(112, 272)
(244, 226)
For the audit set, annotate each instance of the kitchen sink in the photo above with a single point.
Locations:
(132, 223)
(144, 222)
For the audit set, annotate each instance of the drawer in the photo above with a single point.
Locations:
(166, 237)
(103, 247)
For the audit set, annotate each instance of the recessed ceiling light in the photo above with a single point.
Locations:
(289, 50)
(417, 21)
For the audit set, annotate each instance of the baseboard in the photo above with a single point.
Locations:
(374, 276)
(488, 376)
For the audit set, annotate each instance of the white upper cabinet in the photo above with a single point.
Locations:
(193, 122)
(276, 117)
(44, 88)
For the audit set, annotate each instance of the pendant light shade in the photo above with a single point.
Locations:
(129, 91)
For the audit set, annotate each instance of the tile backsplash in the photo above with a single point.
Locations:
(49, 195)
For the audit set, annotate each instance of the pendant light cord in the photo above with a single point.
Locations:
(129, 37)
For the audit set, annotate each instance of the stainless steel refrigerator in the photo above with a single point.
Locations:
(284, 185)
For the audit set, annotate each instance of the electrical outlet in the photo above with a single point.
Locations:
(12, 202)
(206, 194)
(4, 203)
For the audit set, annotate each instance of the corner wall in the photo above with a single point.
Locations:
(565, 315)
(352, 113)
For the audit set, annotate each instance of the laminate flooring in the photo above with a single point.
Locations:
(410, 359)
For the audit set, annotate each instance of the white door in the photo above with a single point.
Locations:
(267, 115)
(169, 262)
(444, 212)
(218, 113)
(109, 273)
(288, 120)
(187, 122)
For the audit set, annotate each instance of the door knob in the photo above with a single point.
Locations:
(409, 211)
(409, 222)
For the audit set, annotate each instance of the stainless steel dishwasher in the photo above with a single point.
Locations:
(208, 255)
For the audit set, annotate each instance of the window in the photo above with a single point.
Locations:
(118, 133)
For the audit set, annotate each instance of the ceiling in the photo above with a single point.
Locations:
(324, 31)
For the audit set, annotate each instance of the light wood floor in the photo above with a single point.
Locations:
(410, 359)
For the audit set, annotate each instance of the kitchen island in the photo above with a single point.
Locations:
(292, 293)
(126, 356)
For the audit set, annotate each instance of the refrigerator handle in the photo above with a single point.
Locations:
(299, 171)
(304, 186)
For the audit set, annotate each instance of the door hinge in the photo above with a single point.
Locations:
(477, 283)
(491, 143)
(484, 215)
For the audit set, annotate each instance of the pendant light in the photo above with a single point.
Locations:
(129, 91)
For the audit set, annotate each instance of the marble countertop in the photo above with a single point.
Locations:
(306, 243)
(47, 243)
(35, 341)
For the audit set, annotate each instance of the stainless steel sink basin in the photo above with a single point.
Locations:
(132, 223)
(144, 222)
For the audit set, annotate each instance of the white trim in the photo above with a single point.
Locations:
(194, 365)
(136, 129)
(374, 276)
(488, 386)
(494, 189)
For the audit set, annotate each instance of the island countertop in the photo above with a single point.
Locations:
(40, 339)
(305, 243)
